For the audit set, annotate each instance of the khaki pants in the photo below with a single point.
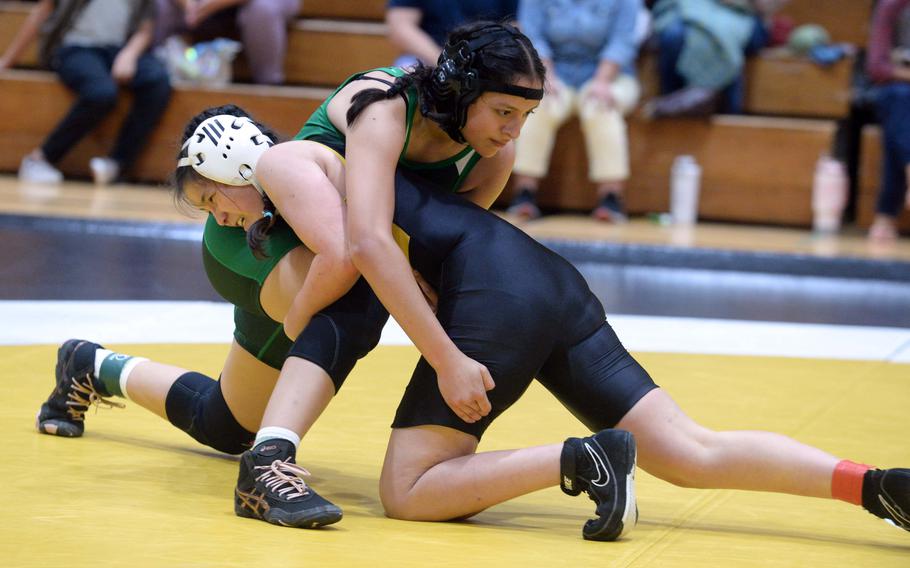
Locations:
(604, 129)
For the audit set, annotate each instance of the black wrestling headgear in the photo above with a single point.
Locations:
(455, 83)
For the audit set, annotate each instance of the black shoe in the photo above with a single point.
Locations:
(270, 488)
(886, 494)
(524, 205)
(603, 466)
(63, 414)
(610, 209)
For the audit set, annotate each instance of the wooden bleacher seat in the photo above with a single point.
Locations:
(23, 129)
(344, 9)
(870, 176)
(754, 169)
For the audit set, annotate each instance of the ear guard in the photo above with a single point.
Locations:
(225, 149)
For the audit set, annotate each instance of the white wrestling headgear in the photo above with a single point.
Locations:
(225, 149)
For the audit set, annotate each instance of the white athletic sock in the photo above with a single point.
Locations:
(272, 432)
(100, 356)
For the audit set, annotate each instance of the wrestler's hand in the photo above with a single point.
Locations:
(463, 385)
(428, 292)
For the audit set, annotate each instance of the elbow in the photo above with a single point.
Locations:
(365, 250)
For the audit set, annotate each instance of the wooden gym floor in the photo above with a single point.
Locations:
(135, 491)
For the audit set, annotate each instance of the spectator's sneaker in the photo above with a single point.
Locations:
(63, 414)
(524, 206)
(603, 466)
(270, 488)
(104, 170)
(35, 169)
(610, 209)
(886, 494)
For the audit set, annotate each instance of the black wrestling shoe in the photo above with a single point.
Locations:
(603, 466)
(886, 494)
(63, 414)
(270, 488)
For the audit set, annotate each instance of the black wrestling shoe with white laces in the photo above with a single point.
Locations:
(270, 488)
(886, 494)
(63, 414)
(603, 466)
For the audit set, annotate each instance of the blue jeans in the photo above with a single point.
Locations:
(87, 72)
(892, 103)
(670, 45)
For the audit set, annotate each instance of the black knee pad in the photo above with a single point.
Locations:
(196, 405)
(338, 336)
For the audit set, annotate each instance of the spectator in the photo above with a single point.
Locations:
(95, 46)
(589, 49)
(262, 24)
(888, 65)
(702, 46)
(419, 27)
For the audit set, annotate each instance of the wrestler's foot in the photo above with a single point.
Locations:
(886, 494)
(270, 488)
(603, 466)
(63, 414)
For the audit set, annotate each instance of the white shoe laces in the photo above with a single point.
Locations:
(283, 478)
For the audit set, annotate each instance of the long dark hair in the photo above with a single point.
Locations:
(507, 58)
(258, 232)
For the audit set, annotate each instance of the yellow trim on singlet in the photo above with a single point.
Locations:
(402, 239)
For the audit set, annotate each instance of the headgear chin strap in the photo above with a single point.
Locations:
(225, 149)
(455, 84)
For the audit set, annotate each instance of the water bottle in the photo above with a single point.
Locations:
(685, 179)
(829, 195)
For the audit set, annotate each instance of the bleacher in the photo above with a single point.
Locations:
(757, 168)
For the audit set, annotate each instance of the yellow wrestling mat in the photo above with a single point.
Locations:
(136, 492)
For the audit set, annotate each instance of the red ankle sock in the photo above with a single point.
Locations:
(847, 481)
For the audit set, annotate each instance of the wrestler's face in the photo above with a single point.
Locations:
(495, 119)
(231, 206)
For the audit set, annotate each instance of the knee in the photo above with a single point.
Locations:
(101, 96)
(196, 405)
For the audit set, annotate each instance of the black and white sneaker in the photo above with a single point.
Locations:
(886, 494)
(603, 466)
(270, 488)
(63, 414)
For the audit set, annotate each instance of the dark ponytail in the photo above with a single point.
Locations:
(400, 86)
(258, 233)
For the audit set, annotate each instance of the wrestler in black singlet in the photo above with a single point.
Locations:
(513, 305)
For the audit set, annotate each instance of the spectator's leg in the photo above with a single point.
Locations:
(894, 110)
(893, 105)
(151, 93)
(607, 145)
(670, 41)
(86, 71)
(168, 21)
(264, 28)
(535, 146)
(734, 96)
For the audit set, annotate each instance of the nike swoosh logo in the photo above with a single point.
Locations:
(603, 474)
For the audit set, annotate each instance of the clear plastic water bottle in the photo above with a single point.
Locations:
(829, 195)
(685, 181)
